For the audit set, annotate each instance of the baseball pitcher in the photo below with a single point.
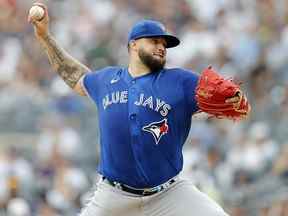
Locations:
(145, 115)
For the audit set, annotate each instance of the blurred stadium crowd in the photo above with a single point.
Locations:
(48, 135)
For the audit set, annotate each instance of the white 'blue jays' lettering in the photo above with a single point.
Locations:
(122, 97)
(115, 98)
(150, 103)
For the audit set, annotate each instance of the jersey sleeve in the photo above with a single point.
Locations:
(189, 87)
(91, 84)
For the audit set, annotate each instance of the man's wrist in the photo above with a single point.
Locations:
(43, 36)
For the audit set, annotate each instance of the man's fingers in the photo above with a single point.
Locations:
(32, 21)
(234, 99)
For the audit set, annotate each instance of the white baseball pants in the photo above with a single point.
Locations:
(182, 198)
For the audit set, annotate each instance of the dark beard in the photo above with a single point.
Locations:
(152, 63)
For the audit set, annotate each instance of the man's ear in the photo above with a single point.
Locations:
(133, 45)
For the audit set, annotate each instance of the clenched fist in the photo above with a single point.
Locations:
(40, 19)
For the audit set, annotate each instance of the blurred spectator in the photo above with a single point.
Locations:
(254, 156)
(18, 207)
(281, 164)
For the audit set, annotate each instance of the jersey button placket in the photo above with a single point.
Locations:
(132, 90)
(133, 116)
(135, 127)
(132, 108)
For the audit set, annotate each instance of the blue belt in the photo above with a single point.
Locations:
(142, 192)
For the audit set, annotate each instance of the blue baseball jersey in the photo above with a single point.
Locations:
(143, 121)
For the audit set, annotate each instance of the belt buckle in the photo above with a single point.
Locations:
(167, 184)
(152, 190)
(118, 185)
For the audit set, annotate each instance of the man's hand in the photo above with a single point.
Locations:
(41, 27)
(235, 99)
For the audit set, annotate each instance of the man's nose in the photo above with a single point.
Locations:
(161, 48)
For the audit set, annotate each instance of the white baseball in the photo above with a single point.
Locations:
(36, 12)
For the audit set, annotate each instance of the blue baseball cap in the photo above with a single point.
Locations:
(151, 28)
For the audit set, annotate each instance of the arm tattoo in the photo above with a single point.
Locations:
(69, 69)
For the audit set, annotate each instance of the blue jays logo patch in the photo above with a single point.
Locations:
(157, 129)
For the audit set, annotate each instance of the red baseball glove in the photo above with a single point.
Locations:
(219, 97)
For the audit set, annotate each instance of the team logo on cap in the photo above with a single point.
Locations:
(157, 129)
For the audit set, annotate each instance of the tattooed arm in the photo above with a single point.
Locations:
(68, 68)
